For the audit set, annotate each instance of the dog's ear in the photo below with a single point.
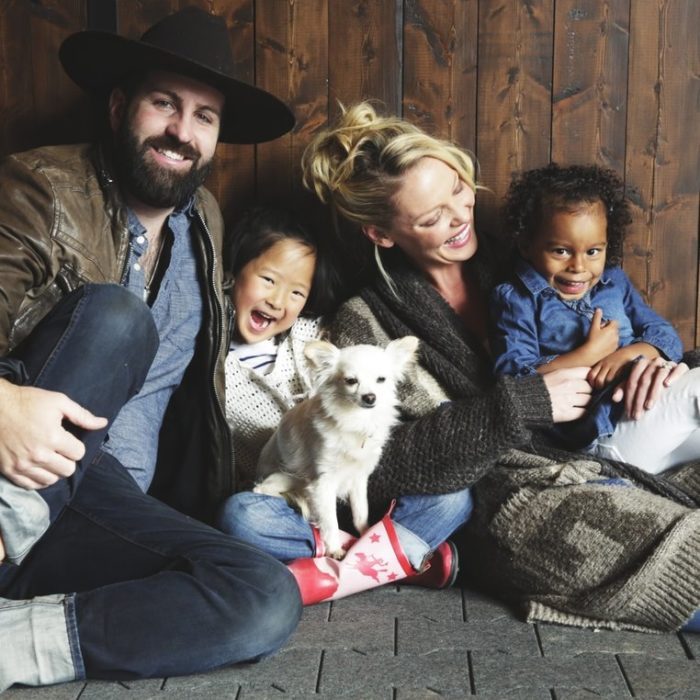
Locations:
(322, 355)
(402, 352)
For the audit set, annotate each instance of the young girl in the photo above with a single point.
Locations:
(571, 305)
(277, 308)
(278, 276)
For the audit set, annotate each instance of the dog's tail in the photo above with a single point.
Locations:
(287, 487)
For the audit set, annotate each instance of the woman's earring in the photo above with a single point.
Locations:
(382, 271)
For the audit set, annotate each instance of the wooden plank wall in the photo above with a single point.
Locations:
(517, 82)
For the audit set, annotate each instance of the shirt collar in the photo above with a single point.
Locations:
(535, 283)
(136, 228)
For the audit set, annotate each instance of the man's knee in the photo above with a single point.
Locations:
(114, 312)
(280, 613)
(271, 612)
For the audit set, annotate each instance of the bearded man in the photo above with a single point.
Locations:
(112, 341)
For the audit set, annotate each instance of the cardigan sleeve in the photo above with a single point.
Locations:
(456, 444)
(453, 443)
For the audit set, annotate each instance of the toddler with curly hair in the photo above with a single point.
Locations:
(571, 305)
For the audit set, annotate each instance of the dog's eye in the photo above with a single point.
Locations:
(350, 381)
(381, 380)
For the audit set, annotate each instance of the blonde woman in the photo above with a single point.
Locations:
(406, 200)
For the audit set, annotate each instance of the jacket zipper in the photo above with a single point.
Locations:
(227, 480)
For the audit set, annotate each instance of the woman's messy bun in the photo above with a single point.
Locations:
(357, 164)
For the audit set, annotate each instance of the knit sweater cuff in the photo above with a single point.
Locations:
(531, 399)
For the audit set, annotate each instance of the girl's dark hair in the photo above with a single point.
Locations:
(535, 194)
(259, 229)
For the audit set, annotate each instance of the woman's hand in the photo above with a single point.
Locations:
(644, 385)
(569, 392)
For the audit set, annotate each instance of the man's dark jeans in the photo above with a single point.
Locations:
(153, 592)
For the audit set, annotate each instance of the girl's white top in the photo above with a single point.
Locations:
(257, 399)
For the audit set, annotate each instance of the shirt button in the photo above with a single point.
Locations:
(137, 267)
(140, 239)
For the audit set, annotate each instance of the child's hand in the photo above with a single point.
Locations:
(603, 338)
(605, 371)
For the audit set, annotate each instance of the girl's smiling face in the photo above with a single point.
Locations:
(434, 222)
(270, 291)
(569, 249)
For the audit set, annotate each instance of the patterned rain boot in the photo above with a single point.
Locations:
(440, 571)
(372, 560)
(346, 540)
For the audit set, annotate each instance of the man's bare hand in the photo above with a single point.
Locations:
(35, 449)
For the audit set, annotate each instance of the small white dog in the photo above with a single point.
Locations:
(326, 447)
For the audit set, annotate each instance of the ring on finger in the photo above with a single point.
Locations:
(666, 364)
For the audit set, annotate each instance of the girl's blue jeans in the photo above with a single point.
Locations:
(268, 522)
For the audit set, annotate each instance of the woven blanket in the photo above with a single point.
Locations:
(578, 547)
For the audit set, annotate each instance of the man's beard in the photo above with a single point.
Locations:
(150, 183)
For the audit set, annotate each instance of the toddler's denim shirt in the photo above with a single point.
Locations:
(532, 325)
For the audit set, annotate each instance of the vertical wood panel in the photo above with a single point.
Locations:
(134, 16)
(440, 43)
(363, 57)
(40, 104)
(514, 96)
(677, 178)
(233, 181)
(17, 113)
(590, 82)
(663, 177)
(292, 63)
(610, 81)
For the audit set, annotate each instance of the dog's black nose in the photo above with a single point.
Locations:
(368, 400)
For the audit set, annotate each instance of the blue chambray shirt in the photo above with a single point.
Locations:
(532, 326)
(177, 312)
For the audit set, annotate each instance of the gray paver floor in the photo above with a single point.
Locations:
(409, 643)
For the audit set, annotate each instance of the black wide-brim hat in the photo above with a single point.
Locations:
(190, 42)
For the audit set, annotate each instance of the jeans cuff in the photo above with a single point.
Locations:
(42, 648)
(416, 550)
(73, 638)
(24, 518)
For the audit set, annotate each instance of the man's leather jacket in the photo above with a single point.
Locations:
(62, 224)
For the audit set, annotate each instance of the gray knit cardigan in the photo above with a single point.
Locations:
(550, 532)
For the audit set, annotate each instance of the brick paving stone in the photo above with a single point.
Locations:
(65, 691)
(318, 612)
(481, 608)
(692, 641)
(585, 694)
(376, 637)
(424, 694)
(113, 690)
(662, 677)
(410, 602)
(257, 694)
(502, 635)
(503, 672)
(443, 672)
(405, 643)
(558, 641)
(290, 671)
